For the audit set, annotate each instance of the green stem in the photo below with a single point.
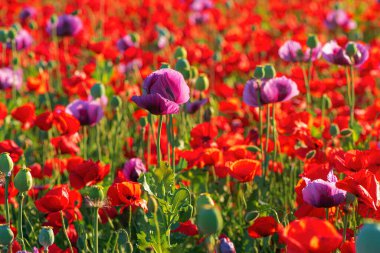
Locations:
(172, 139)
(345, 225)
(7, 216)
(98, 141)
(158, 232)
(274, 134)
(96, 224)
(20, 233)
(65, 232)
(327, 213)
(159, 141)
(307, 84)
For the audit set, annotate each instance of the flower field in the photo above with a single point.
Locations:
(217, 126)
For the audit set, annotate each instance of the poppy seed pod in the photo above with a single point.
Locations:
(202, 83)
(204, 199)
(6, 163)
(183, 66)
(367, 240)
(98, 90)
(12, 34)
(347, 132)
(3, 36)
(259, 72)
(95, 193)
(23, 180)
(351, 49)
(312, 41)
(116, 102)
(334, 130)
(180, 52)
(46, 236)
(209, 220)
(53, 19)
(165, 65)
(193, 72)
(6, 235)
(269, 71)
(143, 122)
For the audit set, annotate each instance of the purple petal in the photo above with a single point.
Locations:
(156, 104)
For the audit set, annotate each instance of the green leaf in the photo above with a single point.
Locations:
(181, 198)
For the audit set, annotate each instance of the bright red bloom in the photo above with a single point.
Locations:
(264, 226)
(126, 194)
(25, 114)
(65, 123)
(311, 235)
(87, 173)
(57, 199)
(203, 134)
(11, 147)
(244, 170)
(186, 228)
(66, 144)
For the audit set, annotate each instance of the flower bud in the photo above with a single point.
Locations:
(180, 52)
(116, 102)
(251, 216)
(367, 240)
(98, 90)
(143, 122)
(95, 193)
(152, 204)
(209, 220)
(334, 130)
(76, 12)
(183, 66)
(310, 154)
(204, 199)
(186, 213)
(23, 180)
(6, 235)
(254, 149)
(259, 72)
(202, 83)
(327, 101)
(17, 27)
(135, 37)
(6, 163)
(11, 33)
(53, 19)
(269, 71)
(3, 36)
(193, 72)
(33, 25)
(15, 61)
(347, 132)
(312, 41)
(351, 49)
(46, 237)
(165, 65)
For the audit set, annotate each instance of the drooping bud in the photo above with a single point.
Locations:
(327, 101)
(46, 237)
(6, 235)
(209, 220)
(347, 132)
(334, 130)
(180, 52)
(116, 102)
(351, 49)
(98, 90)
(259, 72)
(269, 71)
(202, 83)
(312, 41)
(23, 180)
(6, 163)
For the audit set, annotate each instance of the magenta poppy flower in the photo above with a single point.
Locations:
(133, 168)
(335, 54)
(28, 12)
(339, 19)
(10, 78)
(291, 51)
(163, 91)
(23, 40)
(126, 42)
(66, 25)
(270, 91)
(193, 107)
(86, 112)
(321, 193)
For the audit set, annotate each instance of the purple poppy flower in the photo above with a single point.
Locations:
(28, 12)
(321, 193)
(23, 40)
(192, 107)
(201, 5)
(163, 91)
(226, 246)
(133, 169)
(291, 51)
(339, 19)
(335, 54)
(274, 90)
(86, 112)
(126, 42)
(66, 25)
(10, 78)
(198, 18)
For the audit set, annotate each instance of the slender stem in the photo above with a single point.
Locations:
(7, 216)
(96, 224)
(307, 84)
(274, 134)
(65, 232)
(172, 139)
(98, 141)
(130, 220)
(85, 147)
(352, 106)
(327, 213)
(20, 233)
(158, 232)
(345, 225)
(159, 140)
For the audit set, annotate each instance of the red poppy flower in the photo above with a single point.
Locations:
(186, 228)
(87, 173)
(244, 170)
(311, 235)
(126, 194)
(203, 134)
(57, 199)
(25, 114)
(264, 226)
(3, 113)
(66, 144)
(11, 147)
(65, 123)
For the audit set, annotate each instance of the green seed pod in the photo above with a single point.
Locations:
(33, 25)
(193, 72)
(17, 27)
(259, 72)
(351, 49)
(204, 199)
(143, 122)
(6, 235)
(202, 83)
(46, 236)
(3, 36)
(312, 41)
(96, 193)
(53, 19)
(183, 66)
(116, 102)
(152, 204)
(254, 149)
(347, 132)
(12, 34)
(251, 216)
(180, 52)
(269, 71)
(15, 61)
(6, 163)
(165, 65)
(23, 180)
(334, 130)
(367, 240)
(186, 213)
(98, 90)
(310, 154)
(209, 220)
(135, 37)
